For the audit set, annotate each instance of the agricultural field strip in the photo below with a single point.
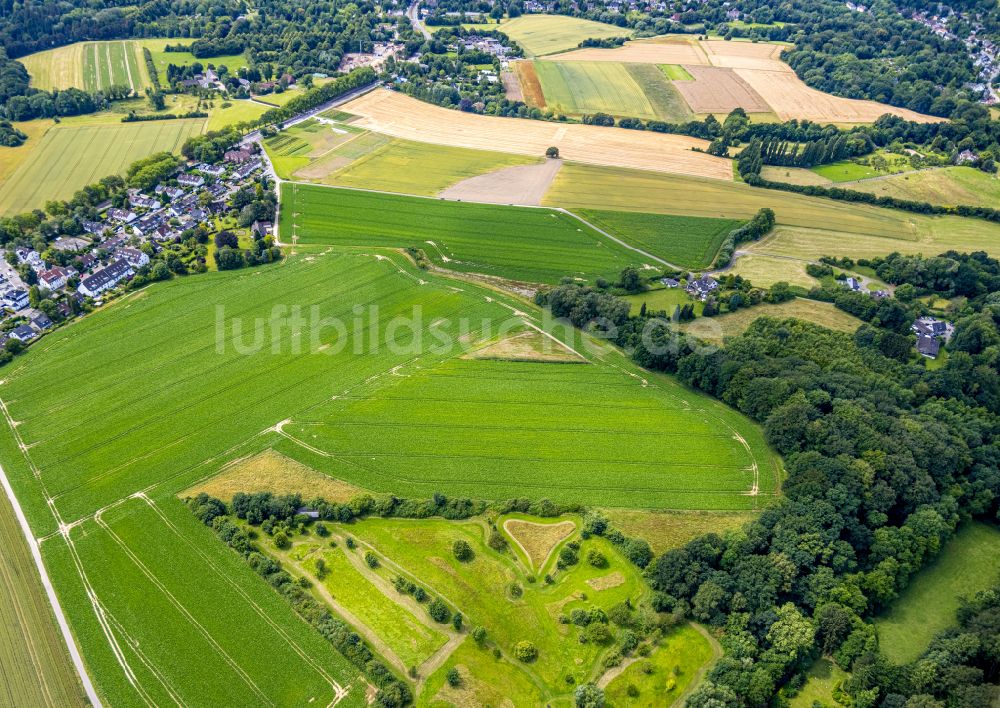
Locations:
(260, 611)
(148, 422)
(133, 426)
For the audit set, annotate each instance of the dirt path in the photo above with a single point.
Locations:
(360, 627)
(524, 184)
(700, 673)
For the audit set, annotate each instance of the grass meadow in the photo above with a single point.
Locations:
(421, 550)
(667, 674)
(161, 58)
(968, 563)
(69, 157)
(548, 34)
(160, 608)
(949, 186)
(633, 90)
(731, 324)
(535, 245)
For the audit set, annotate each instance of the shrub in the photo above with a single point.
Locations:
(588, 695)
(453, 677)
(515, 590)
(281, 541)
(567, 556)
(632, 691)
(497, 542)
(462, 550)
(322, 530)
(596, 558)
(419, 594)
(479, 635)
(351, 543)
(439, 611)
(371, 559)
(525, 651)
(598, 633)
(456, 621)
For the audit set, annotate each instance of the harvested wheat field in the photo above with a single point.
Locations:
(511, 86)
(270, 471)
(790, 98)
(771, 85)
(392, 113)
(640, 52)
(525, 185)
(528, 83)
(528, 346)
(715, 90)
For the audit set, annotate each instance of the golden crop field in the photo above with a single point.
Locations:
(755, 68)
(400, 116)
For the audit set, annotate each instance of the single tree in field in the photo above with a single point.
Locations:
(552, 151)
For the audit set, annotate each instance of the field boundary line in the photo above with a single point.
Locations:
(36, 554)
(339, 691)
(179, 606)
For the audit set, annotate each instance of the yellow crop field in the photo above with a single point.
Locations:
(755, 73)
(400, 116)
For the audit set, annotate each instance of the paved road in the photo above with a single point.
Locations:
(413, 14)
(254, 137)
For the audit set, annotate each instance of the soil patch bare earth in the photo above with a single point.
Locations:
(527, 346)
(716, 90)
(525, 185)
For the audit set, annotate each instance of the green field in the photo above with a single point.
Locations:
(161, 58)
(670, 671)
(579, 87)
(850, 170)
(950, 186)
(686, 241)
(36, 666)
(237, 112)
(161, 609)
(675, 72)
(70, 157)
(968, 563)
(548, 34)
(422, 551)
(821, 681)
(91, 66)
(809, 227)
(108, 64)
(345, 156)
(731, 324)
(535, 245)
(666, 299)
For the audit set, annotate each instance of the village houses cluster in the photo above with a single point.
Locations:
(112, 250)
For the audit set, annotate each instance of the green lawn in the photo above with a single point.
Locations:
(663, 676)
(534, 245)
(422, 550)
(968, 563)
(663, 299)
(675, 72)
(821, 680)
(686, 241)
(949, 186)
(161, 58)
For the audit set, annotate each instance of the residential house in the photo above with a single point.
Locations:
(41, 322)
(133, 256)
(23, 333)
(263, 228)
(124, 216)
(700, 288)
(191, 180)
(106, 278)
(670, 282)
(238, 157)
(928, 346)
(54, 278)
(15, 298)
